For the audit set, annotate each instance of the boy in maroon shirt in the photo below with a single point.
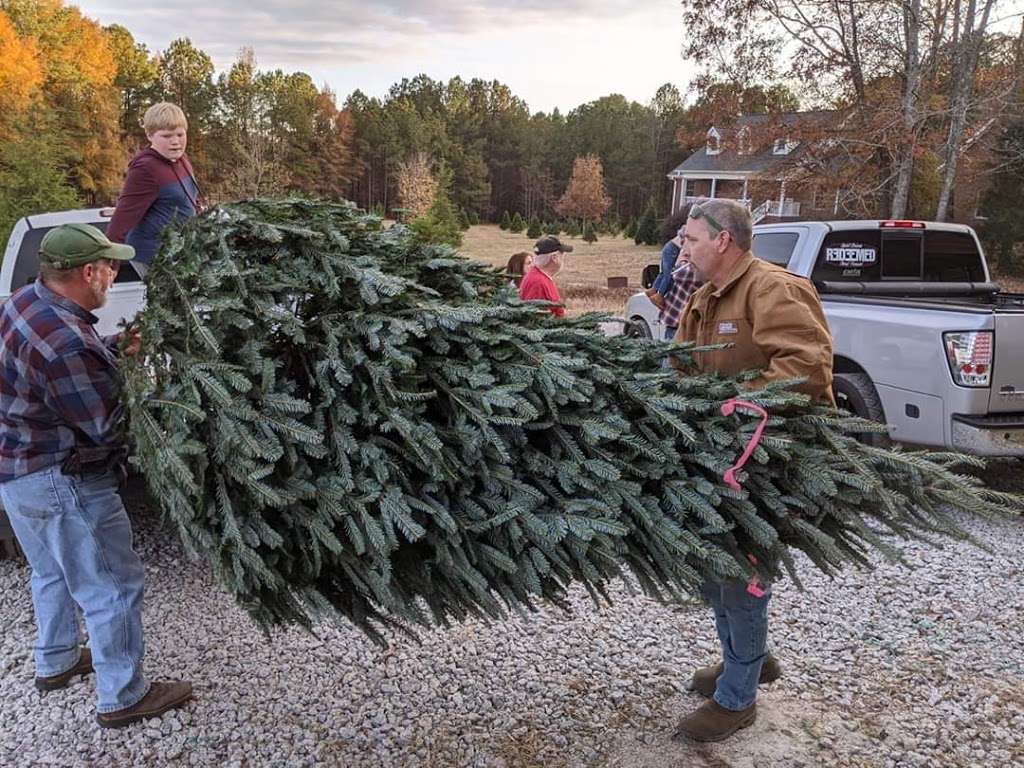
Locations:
(160, 186)
(538, 284)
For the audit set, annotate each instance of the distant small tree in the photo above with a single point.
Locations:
(440, 224)
(463, 219)
(534, 230)
(585, 198)
(572, 228)
(552, 228)
(589, 232)
(647, 228)
(417, 187)
(630, 230)
(506, 221)
(517, 225)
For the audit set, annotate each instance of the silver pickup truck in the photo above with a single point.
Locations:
(925, 342)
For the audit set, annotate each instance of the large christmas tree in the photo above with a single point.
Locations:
(343, 419)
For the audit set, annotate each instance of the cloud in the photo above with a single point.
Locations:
(591, 47)
(343, 30)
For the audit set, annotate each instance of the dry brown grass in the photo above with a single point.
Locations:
(583, 281)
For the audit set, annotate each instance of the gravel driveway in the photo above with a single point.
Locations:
(897, 667)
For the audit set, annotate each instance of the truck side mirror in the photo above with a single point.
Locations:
(650, 273)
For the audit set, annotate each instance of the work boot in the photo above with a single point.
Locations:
(53, 682)
(160, 698)
(713, 722)
(705, 679)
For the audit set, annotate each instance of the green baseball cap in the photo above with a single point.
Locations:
(72, 245)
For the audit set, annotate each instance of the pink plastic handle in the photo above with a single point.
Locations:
(728, 408)
(754, 585)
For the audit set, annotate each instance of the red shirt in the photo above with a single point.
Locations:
(538, 286)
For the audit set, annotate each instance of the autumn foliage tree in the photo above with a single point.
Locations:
(585, 198)
(417, 186)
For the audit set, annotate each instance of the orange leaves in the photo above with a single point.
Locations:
(21, 72)
(585, 197)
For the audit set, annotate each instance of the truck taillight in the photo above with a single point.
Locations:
(970, 357)
(903, 224)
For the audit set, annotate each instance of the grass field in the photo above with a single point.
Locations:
(583, 281)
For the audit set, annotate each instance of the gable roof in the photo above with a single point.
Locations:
(728, 159)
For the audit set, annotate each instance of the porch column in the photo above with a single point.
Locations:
(676, 182)
(745, 190)
(782, 197)
(714, 183)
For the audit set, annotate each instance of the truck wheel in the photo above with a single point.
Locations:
(637, 328)
(855, 393)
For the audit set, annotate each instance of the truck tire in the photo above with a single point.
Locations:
(855, 393)
(637, 328)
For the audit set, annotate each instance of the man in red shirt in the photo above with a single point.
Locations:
(538, 284)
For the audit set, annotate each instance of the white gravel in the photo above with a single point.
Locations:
(890, 668)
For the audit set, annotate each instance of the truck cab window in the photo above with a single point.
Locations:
(26, 269)
(775, 247)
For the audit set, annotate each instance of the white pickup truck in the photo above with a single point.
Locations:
(923, 340)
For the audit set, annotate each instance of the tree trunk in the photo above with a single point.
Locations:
(912, 67)
(965, 67)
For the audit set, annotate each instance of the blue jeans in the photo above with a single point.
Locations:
(742, 623)
(669, 254)
(78, 540)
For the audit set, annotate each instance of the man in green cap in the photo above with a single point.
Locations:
(61, 458)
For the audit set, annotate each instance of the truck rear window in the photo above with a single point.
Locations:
(26, 268)
(871, 255)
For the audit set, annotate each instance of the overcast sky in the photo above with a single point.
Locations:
(552, 53)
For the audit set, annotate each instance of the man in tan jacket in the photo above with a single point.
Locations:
(776, 323)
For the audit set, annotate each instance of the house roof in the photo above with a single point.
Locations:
(730, 160)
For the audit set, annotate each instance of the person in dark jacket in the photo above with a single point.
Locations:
(160, 186)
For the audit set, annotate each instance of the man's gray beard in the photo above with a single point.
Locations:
(100, 299)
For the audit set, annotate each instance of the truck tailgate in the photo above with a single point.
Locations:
(1007, 394)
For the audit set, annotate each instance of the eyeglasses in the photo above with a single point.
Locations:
(698, 212)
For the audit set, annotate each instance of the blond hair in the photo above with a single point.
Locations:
(163, 116)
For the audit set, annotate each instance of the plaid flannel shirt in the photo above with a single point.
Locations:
(59, 386)
(684, 283)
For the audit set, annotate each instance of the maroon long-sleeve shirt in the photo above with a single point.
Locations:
(156, 191)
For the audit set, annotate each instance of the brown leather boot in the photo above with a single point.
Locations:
(705, 679)
(713, 722)
(161, 697)
(53, 682)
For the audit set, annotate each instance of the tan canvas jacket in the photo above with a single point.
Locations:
(774, 319)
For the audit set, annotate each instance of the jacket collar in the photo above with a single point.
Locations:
(738, 271)
(51, 297)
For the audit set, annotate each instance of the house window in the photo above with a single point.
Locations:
(784, 146)
(714, 142)
(743, 140)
